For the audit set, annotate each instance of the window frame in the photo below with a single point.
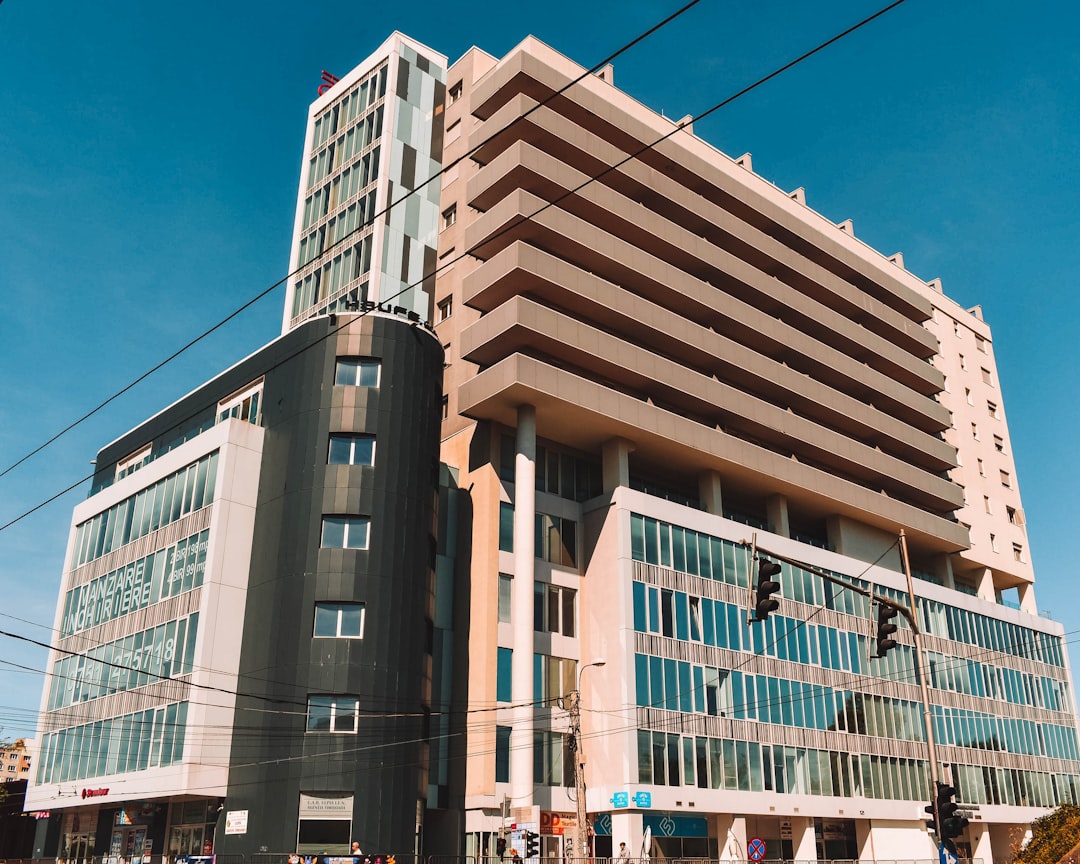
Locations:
(349, 522)
(339, 608)
(352, 438)
(358, 366)
(330, 702)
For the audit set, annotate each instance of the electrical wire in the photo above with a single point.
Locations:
(371, 221)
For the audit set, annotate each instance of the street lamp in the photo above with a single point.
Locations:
(581, 829)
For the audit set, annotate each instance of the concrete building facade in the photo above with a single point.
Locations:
(648, 357)
(654, 355)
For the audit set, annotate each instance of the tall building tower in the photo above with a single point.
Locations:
(372, 137)
(250, 614)
(645, 373)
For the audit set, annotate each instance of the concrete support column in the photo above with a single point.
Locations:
(521, 609)
(777, 514)
(731, 837)
(626, 827)
(985, 585)
(864, 839)
(709, 492)
(616, 454)
(981, 847)
(803, 839)
(1026, 593)
(950, 579)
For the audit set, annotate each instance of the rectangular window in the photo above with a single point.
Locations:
(340, 714)
(980, 343)
(449, 216)
(554, 609)
(1006, 478)
(506, 587)
(986, 375)
(454, 92)
(345, 532)
(445, 308)
(999, 444)
(1011, 513)
(357, 372)
(503, 675)
(556, 539)
(339, 620)
(347, 449)
(553, 759)
(506, 527)
(975, 431)
(502, 754)
(1018, 552)
(992, 409)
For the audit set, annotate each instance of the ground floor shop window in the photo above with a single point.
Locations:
(325, 824)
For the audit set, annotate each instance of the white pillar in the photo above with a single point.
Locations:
(731, 837)
(616, 465)
(777, 513)
(981, 849)
(803, 839)
(521, 609)
(709, 491)
(1026, 594)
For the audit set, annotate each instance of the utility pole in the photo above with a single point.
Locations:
(581, 842)
(581, 829)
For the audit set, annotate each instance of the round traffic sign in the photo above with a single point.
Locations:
(755, 849)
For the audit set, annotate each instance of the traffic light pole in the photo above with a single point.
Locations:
(909, 613)
(924, 687)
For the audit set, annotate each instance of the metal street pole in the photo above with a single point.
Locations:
(920, 663)
(581, 832)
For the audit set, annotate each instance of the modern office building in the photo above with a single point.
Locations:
(372, 138)
(647, 371)
(252, 632)
(264, 645)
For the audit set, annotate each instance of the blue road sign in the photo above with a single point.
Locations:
(755, 849)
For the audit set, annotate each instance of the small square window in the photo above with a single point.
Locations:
(340, 714)
(357, 372)
(347, 449)
(339, 621)
(345, 532)
(445, 308)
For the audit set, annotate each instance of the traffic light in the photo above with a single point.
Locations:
(500, 846)
(764, 602)
(532, 844)
(953, 819)
(885, 628)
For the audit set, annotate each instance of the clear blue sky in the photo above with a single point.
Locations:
(149, 156)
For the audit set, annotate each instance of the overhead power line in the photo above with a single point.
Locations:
(345, 238)
(515, 224)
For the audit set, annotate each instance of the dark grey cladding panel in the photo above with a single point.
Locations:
(280, 660)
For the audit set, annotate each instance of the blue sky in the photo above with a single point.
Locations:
(149, 155)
